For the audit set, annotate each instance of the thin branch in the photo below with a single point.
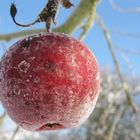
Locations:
(128, 63)
(114, 124)
(105, 115)
(122, 10)
(68, 27)
(126, 34)
(15, 133)
(130, 51)
(103, 118)
(2, 117)
(15, 35)
(89, 23)
(107, 112)
(116, 63)
(4, 47)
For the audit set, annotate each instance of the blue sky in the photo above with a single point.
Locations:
(28, 10)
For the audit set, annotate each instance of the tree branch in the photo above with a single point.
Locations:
(2, 117)
(90, 21)
(112, 129)
(125, 34)
(110, 46)
(15, 133)
(122, 10)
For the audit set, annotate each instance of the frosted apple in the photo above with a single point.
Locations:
(49, 81)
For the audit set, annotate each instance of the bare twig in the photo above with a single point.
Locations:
(112, 129)
(2, 117)
(15, 35)
(107, 112)
(15, 133)
(125, 34)
(104, 116)
(90, 21)
(128, 63)
(110, 46)
(122, 10)
(130, 51)
(4, 47)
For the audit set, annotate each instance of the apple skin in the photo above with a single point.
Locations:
(49, 81)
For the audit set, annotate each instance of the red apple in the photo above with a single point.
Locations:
(49, 81)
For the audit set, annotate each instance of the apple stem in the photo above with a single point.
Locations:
(47, 15)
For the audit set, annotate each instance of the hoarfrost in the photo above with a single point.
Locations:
(28, 80)
(23, 66)
(31, 58)
(97, 77)
(16, 90)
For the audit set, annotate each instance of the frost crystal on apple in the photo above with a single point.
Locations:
(23, 66)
